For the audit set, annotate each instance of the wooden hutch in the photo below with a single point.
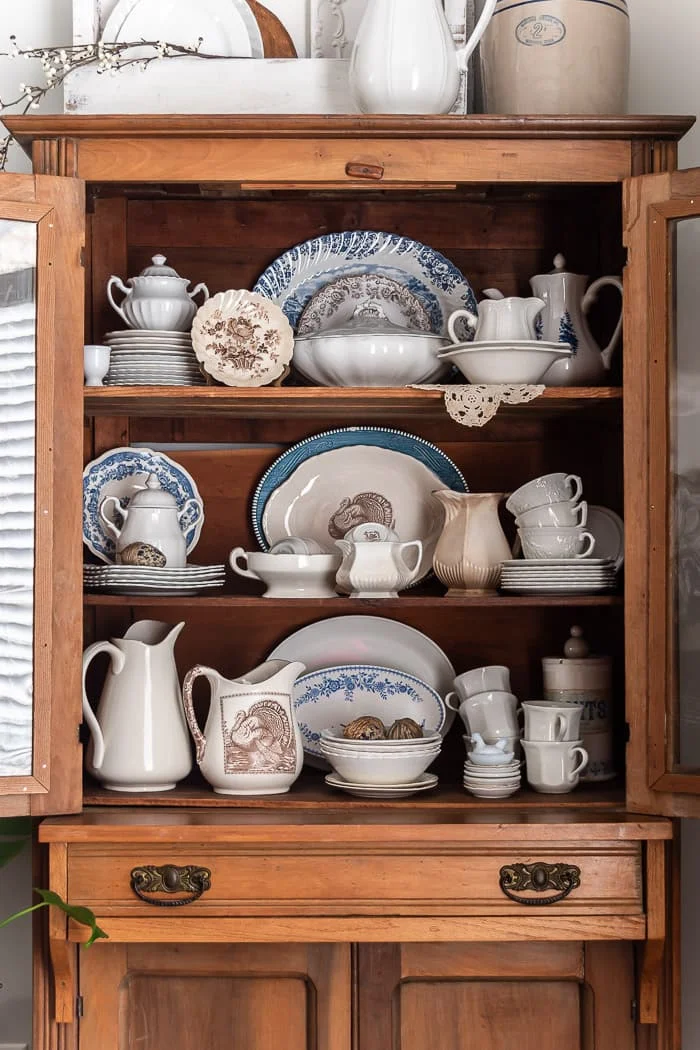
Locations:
(333, 923)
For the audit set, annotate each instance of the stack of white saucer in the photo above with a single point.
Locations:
(151, 580)
(142, 357)
(490, 771)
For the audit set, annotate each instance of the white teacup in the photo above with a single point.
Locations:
(550, 488)
(554, 515)
(296, 545)
(549, 722)
(95, 363)
(596, 717)
(554, 768)
(482, 680)
(493, 715)
(545, 543)
(289, 575)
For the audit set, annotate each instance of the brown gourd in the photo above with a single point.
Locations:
(404, 729)
(367, 727)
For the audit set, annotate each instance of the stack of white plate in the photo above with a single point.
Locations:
(141, 579)
(492, 781)
(141, 357)
(558, 575)
(425, 782)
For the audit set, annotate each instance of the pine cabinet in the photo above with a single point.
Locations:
(329, 922)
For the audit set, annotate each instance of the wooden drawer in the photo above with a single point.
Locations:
(457, 880)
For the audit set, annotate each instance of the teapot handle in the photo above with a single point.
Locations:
(233, 559)
(472, 321)
(118, 283)
(464, 53)
(197, 735)
(200, 288)
(588, 300)
(118, 661)
(198, 516)
(107, 522)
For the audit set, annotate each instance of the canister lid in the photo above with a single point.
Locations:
(576, 669)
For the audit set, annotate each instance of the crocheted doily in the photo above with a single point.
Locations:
(473, 406)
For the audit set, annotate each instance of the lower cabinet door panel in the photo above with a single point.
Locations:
(205, 997)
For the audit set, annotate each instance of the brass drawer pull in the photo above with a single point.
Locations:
(170, 879)
(355, 169)
(539, 877)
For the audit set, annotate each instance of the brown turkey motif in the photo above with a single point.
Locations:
(260, 740)
(358, 510)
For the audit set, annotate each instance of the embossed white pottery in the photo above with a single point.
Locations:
(251, 744)
(378, 569)
(138, 736)
(549, 488)
(242, 339)
(560, 56)
(556, 543)
(152, 516)
(288, 575)
(554, 515)
(492, 755)
(157, 299)
(472, 544)
(482, 680)
(95, 363)
(564, 318)
(549, 722)
(487, 363)
(500, 319)
(404, 58)
(554, 768)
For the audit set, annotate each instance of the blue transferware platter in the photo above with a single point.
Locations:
(328, 484)
(300, 273)
(121, 472)
(334, 696)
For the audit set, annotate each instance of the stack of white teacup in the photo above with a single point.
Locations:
(489, 711)
(551, 517)
(552, 742)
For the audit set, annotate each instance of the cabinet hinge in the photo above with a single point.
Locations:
(634, 1010)
(79, 1006)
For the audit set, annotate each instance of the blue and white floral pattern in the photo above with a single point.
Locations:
(330, 698)
(293, 278)
(120, 472)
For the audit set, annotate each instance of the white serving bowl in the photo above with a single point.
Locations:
(503, 364)
(334, 739)
(289, 575)
(332, 749)
(360, 356)
(380, 769)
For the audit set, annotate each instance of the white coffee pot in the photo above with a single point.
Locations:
(500, 318)
(158, 299)
(377, 568)
(152, 516)
(564, 320)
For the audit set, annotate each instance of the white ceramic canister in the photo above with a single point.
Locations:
(586, 680)
(557, 56)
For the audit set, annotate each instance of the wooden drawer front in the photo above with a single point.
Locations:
(355, 881)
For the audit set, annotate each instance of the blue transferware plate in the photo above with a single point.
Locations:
(297, 275)
(121, 472)
(322, 487)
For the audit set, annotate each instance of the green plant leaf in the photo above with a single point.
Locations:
(9, 849)
(74, 911)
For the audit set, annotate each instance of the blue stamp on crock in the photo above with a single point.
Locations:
(540, 31)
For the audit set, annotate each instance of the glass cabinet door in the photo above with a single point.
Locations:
(41, 310)
(662, 421)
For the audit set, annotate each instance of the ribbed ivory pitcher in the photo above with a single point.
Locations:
(472, 544)
(251, 744)
(139, 739)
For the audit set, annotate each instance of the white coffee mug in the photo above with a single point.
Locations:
(549, 722)
(493, 715)
(554, 515)
(544, 543)
(550, 488)
(482, 680)
(554, 768)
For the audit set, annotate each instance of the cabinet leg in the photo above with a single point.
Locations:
(63, 965)
(651, 974)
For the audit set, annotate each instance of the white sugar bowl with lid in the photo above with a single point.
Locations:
(158, 299)
(153, 517)
(580, 679)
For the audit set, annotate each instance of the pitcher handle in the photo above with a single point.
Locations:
(197, 735)
(591, 544)
(419, 549)
(472, 321)
(200, 288)
(588, 300)
(582, 764)
(233, 558)
(107, 522)
(117, 282)
(464, 53)
(118, 661)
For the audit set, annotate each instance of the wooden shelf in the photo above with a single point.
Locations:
(341, 403)
(408, 601)
(310, 792)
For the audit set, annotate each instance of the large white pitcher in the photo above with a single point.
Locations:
(139, 739)
(404, 59)
(251, 744)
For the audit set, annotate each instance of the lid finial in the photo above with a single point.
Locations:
(576, 647)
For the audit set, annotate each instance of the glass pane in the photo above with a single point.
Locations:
(18, 244)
